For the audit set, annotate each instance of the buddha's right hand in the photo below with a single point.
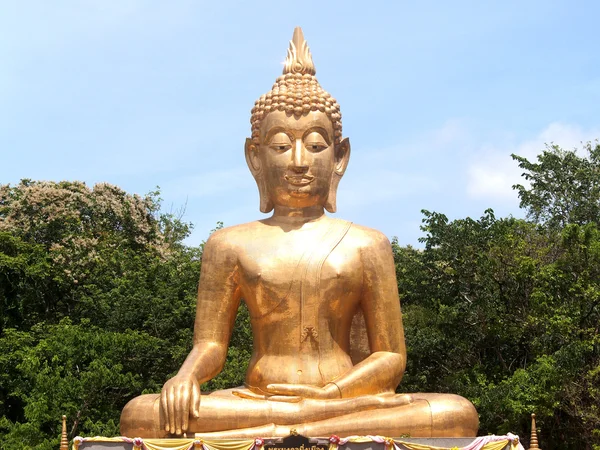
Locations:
(179, 396)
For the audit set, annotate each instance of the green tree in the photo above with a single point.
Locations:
(564, 187)
(97, 302)
(506, 314)
(506, 311)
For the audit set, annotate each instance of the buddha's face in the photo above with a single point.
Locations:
(297, 159)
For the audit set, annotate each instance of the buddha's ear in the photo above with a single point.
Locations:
(342, 156)
(255, 166)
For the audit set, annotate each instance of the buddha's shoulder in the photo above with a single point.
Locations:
(366, 237)
(238, 237)
(235, 235)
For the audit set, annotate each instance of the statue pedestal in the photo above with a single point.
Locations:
(402, 443)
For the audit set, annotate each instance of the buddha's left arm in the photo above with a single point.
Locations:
(383, 369)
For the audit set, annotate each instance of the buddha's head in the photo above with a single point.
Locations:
(296, 153)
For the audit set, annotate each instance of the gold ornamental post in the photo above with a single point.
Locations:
(533, 442)
(64, 441)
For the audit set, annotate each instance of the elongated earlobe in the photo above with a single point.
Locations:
(255, 166)
(342, 156)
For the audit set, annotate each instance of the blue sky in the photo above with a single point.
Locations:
(435, 96)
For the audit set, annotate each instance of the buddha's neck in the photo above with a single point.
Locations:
(298, 215)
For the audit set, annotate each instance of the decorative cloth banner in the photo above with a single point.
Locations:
(173, 444)
(480, 443)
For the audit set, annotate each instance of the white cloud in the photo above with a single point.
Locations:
(493, 173)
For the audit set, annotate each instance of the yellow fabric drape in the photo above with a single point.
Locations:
(360, 439)
(185, 444)
(229, 444)
(104, 439)
(498, 445)
(169, 444)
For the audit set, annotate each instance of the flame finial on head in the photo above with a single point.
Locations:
(297, 91)
(299, 59)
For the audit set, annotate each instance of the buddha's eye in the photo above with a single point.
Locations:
(280, 142)
(313, 147)
(314, 142)
(280, 147)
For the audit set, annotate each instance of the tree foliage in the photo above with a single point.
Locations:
(97, 303)
(506, 311)
(564, 187)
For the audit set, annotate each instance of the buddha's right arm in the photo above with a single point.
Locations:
(218, 300)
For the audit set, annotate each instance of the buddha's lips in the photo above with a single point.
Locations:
(299, 180)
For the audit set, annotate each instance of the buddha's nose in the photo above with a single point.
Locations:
(298, 162)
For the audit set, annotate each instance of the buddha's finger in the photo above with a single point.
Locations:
(406, 399)
(285, 398)
(196, 400)
(184, 397)
(249, 395)
(289, 389)
(393, 400)
(164, 408)
(171, 409)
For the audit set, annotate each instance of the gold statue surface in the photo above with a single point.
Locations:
(328, 350)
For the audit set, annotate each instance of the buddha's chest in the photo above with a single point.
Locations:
(294, 277)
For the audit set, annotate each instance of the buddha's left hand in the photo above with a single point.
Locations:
(328, 391)
(293, 392)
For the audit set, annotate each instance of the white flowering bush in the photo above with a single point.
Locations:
(97, 299)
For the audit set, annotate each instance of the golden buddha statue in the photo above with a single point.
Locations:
(322, 295)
